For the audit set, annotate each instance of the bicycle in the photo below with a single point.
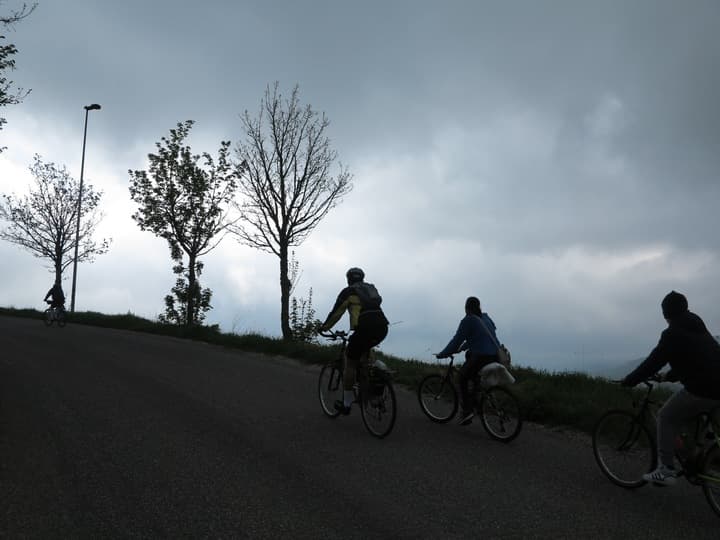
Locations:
(625, 447)
(54, 314)
(498, 408)
(374, 390)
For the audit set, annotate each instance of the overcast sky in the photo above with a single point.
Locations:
(557, 159)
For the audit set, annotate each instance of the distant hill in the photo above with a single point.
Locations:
(614, 370)
(618, 371)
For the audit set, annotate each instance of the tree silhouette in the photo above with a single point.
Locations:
(44, 221)
(285, 181)
(185, 201)
(8, 96)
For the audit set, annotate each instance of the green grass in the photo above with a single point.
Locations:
(559, 399)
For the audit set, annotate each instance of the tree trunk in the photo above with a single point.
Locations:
(58, 271)
(285, 293)
(192, 284)
(58, 260)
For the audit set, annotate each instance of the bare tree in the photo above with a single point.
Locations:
(7, 63)
(44, 221)
(285, 180)
(186, 204)
(16, 15)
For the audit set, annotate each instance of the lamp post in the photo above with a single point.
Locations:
(88, 108)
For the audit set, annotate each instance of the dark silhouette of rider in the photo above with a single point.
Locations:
(368, 322)
(58, 296)
(694, 358)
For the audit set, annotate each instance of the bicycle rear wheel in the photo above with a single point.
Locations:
(61, 318)
(330, 389)
(624, 448)
(438, 398)
(710, 477)
(500, 414)
(378, 408)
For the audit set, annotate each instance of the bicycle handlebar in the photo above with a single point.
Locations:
(654, 378)
(450, 356)
(333, 335)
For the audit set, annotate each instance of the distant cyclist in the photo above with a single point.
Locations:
(368, 322)
(694, 358)
(57, 295)
(473, 336)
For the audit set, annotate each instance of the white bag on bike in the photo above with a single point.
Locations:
(379, 364)
(495, 374)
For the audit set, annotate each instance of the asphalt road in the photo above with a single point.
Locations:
(114, 434)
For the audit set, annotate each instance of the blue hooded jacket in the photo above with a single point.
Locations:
(472, 335)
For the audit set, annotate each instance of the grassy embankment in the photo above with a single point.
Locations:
(572, 400)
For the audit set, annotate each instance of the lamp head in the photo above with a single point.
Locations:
(93, 107)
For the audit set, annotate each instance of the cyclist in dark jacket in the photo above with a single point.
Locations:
(694, 358)
(367, 320)
(474, 335)
(58, 296)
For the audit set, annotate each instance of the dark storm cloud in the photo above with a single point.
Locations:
(567, 150)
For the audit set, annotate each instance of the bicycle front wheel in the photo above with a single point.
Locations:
(624, 448)
(500, 414)
(48, 317)
(330, 389)
(710, 477)
(438, 398)
(378, 408)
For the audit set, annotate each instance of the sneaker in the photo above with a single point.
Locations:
(466, 418)
(662, 476)
(341, 408)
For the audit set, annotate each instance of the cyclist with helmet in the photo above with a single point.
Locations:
(367, 320)
(694, 358)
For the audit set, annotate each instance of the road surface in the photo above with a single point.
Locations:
(115, 434)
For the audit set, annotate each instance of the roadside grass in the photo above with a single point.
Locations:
(558, 399)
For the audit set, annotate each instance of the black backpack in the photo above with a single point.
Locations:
(369, 296)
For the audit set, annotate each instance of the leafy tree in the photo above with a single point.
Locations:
(9, 96)
(185, 201)
(44, 221)
(176, 303)
(285, 181)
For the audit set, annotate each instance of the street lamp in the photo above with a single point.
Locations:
(88, 108)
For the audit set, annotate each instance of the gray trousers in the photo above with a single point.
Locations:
(677, 413)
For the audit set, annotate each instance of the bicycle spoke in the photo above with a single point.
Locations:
(379, 411)
(500, 414)
(330, 389)
(624, 449)
(437, 398)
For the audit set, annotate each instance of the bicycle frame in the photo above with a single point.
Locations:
(705, 424)
(450, 371)
(365, 360)
(54, 314)
(373, 389)
(362, 370)
(643, 415)
(477, 389)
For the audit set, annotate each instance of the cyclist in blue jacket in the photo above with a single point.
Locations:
(473, 336)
